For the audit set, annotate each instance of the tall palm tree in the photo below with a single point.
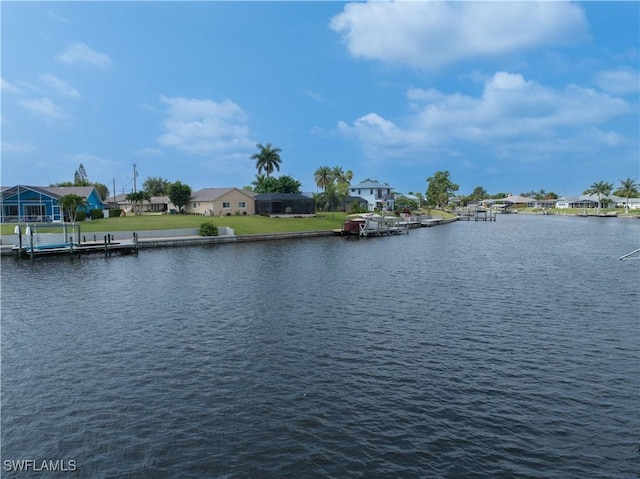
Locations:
(323, 177)
(338, 173)
(71, 203)
(267, 159)
(601, 188)
(628, 188)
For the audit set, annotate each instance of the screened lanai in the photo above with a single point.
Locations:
(284, 204)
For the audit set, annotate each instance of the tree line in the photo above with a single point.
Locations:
(333, 185)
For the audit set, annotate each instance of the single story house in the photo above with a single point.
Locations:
(158, 204)
(634, 203)
(221, 201)
(566, 202)
(24, 203)
(377, 195)
(284, 204)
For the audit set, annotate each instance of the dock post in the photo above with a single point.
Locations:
(31, 243)
(106, 249)
(19, 240)
(135, 242)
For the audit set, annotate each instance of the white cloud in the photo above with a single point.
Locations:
(432, 34)
(205, 127)
(18, 147)
(45, 108)
(79, 53)
(59, 86)
(618, 82)
(9, 87)
(512, 116)
(315, 95)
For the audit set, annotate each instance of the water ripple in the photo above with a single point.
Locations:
(472, 350)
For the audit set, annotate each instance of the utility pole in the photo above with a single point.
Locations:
(115, 201)
(135, 175)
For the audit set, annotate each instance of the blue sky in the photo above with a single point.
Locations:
(510, 96)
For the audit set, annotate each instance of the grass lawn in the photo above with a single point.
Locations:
(242, 225)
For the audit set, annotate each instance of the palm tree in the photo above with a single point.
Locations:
(267, 159)
(601, 188)
(134, 198)
(628, 188)
(71, 203)
(348, 176)
(323, 177)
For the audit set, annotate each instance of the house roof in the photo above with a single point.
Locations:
(369, 184)
(518, 200)
(55, 191)
(212, 194)
(595, 198)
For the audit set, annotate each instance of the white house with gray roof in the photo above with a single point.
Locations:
(377, 195)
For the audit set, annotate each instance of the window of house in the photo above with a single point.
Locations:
(241, 204)
(194, 205)
(226, 204)
(371, 191)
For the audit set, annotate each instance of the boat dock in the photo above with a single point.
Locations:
(53, 249)
(476, 214)
(32, 243)
(370, 224)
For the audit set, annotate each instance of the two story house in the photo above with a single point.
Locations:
(377, 195)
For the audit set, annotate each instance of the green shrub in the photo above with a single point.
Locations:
(208, 228)
(81, 216)
(115, 213)
(95, 214)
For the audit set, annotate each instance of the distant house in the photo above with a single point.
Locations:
(158, 204)
(119, 201)
(41, 203)
(221, 201)
(567, 202)
(547, 203)
(510, 202)
(591, 201)
(284, 204)
(377, 195)
(634, 203)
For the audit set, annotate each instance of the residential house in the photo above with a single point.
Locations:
(221, 201)
(634, 203)
(41, 203)
(158, 204)
(377, 195)
(566, 202)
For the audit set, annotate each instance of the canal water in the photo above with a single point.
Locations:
(471, 350)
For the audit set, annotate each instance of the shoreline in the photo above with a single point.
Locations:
(154, 238)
